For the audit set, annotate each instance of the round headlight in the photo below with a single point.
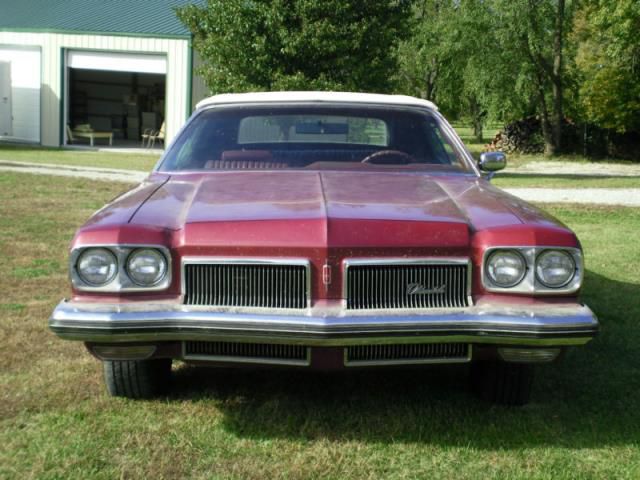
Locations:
(146, 267)
(97, 266)
(555, 268)
(506, 268)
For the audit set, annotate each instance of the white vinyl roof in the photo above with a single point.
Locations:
(332, 97)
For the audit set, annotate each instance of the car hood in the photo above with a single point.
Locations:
(261, 196)
(337, 208)
(322, 216)
(290, 195)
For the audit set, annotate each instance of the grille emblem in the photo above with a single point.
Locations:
(419, 289)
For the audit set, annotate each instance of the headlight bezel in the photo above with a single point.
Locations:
(139, 251)
(122, 282)
(113, 266)
(530, 284)
(551, 250)
(513, 252)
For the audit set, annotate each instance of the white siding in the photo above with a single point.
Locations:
(25, 91)
(52, 46)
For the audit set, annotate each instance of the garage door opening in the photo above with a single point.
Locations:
(115, 100)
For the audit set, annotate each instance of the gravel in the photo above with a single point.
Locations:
(102, 174)
(578, 169)
(629, 197)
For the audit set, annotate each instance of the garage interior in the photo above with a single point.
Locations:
(121, 107)
(128, 104)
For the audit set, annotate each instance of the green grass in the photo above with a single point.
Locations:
(57, 422)
(62, 156)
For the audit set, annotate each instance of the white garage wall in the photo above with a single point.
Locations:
(54, 45)
(25, 91)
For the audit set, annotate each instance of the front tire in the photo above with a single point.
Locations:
(502, 383)
(137, 378)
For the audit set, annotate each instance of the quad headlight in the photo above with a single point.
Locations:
(506, 268)
(97, 266)
(120, 268)
(146, 267)
(555, 268)
(533, 270)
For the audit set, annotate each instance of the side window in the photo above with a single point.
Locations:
(184, 154)
(441, 144)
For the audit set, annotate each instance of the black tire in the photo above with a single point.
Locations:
(137, 378)
(502, 383)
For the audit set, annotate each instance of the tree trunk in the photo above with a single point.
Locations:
(556, 77)
(477, 129)
(477, 117)
(430, 78)
(547, 130)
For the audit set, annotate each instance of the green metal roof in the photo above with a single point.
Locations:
(133, 17)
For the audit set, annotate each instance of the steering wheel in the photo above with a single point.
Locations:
(393, 157)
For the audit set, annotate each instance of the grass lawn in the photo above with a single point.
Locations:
(57, 422)
(63, 156)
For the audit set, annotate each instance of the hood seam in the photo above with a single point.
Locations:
(135, 212)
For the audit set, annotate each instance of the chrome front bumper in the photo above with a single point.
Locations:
(539, 325)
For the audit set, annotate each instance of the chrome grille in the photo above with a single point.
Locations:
(407, 286)
(246, 285)
(246, 352)
(407, 353)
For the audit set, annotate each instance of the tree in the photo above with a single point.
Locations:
(456, 58)
(254, 45)
(608, 59)
(535, 32)
(434, 60)
(425, 56)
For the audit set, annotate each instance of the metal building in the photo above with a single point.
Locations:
(117, 66)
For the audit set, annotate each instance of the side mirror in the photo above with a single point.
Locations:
(491, 162)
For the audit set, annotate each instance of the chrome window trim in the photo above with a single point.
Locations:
(530, 285)
(285, 261)
(417, 361)
(122, 282)
(246, 360)
(349, 262)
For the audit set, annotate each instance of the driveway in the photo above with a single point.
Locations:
(104, 174)
(577, 169)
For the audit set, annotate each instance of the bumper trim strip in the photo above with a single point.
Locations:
(529, 325)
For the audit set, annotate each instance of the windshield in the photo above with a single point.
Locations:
(314, 137)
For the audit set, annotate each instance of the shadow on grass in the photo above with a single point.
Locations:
(590, 399)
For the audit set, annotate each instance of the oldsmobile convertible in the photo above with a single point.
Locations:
(324, 231)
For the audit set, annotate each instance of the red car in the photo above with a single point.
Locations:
(328, 231)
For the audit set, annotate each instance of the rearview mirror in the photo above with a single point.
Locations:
(492, 161)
